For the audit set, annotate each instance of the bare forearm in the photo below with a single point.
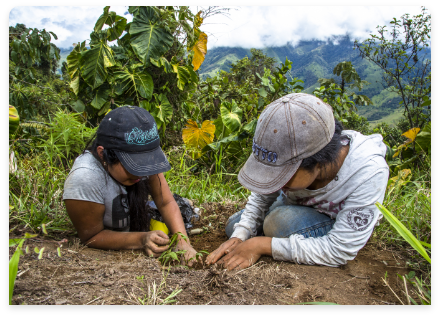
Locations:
(264, 245)
(114, 240)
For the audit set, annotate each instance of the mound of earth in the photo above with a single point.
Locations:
(86, 276)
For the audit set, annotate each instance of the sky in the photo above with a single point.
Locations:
(244, 26)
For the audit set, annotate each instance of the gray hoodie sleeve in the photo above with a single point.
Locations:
(349, 233)
(253, 215)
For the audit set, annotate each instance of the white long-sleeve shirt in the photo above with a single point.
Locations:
(349, 198)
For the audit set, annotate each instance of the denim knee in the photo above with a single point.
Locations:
(284, 221)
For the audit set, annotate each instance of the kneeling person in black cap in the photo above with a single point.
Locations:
(107, 189)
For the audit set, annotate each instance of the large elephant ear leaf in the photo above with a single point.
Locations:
(196, 138)
(231, 117)
(101, 97)
(73, 68)
(148, 39)
(139, 84)
(184, 75)
(200, 49)
(251, 126)
(164, 110)
(14, 119)
(94, 63)
(117, 29)
(101, 20)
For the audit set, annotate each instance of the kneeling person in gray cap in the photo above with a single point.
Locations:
(314, 188)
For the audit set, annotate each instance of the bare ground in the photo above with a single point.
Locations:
(89, 276)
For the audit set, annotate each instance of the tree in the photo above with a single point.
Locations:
(151, 65)
(33, 85)
(340, 93)
(404, 55)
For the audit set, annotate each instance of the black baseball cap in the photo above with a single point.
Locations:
(132, 133)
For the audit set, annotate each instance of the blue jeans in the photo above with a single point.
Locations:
(281, 221)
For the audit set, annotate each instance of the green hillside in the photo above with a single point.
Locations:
(313, 60)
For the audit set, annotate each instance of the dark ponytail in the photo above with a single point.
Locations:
(327, 156)
(140, 212)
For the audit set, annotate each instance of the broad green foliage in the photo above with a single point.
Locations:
(162, 110)
(399, 52)
(340, 93)
(231, 115)
(148, 66)
(13, 262)
(134, 82)
(14, 119)
(34, 88)
(404, 232)
(94, 63)
(149, 38)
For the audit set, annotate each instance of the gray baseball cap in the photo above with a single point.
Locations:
(289, 130)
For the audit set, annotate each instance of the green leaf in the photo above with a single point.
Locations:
(139, 84)
(73, 67)
(404, 232)
(104, 108)
(251, 126)
(262, 92)
(40, 255)
(174, 256)
(101, 20)
(13, 269)
(79, 106)
(231, 116)
(101, 97)
(183, 75)
(145, 104)
(164, 110)
(94, 63)
(14, 242)
(425, 244)
(116, 31)
(423, 139)
(148, 39)
(14, 57)
(14, 119)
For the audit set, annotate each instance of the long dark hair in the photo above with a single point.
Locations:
(327, 156)
(138, 194)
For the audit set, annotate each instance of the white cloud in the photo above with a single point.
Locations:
(277, 25)
(71, 24)
(247, 26)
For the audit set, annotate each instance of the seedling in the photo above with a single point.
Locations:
(171, 255)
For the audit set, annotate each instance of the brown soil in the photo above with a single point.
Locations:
(84, 275)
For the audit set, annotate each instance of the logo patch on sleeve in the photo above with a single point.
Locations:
(360, 220)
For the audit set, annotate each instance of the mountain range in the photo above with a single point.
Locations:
(312, 60)
(316, 59)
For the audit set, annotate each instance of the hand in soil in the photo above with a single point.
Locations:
(155, 242)
(190, 252)
(224, 248)
(247, 253)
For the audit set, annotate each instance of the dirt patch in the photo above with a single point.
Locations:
(89, 276)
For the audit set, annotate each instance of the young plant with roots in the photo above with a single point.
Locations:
(172, 254)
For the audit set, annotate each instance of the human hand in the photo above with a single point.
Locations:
(247, 253)
(155, 242)
(189, 255)
(223, 249)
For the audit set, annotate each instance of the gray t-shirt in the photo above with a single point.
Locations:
(89, 181)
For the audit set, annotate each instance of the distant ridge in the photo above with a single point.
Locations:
(316, 59)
